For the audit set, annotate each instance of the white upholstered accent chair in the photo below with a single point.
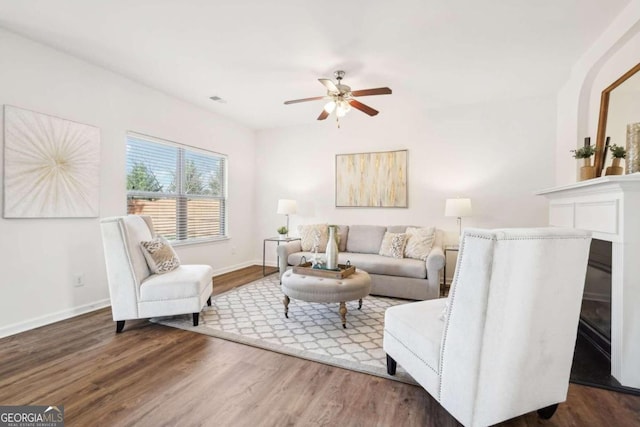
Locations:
(505, 345)
(135, 292)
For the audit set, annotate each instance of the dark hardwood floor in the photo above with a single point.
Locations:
(152, 375)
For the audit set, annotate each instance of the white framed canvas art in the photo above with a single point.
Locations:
(51, 166)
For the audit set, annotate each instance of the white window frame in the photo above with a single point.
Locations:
(183, 148)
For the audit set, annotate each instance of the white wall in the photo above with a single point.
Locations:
(38, 257)
(497, 154)
(616, 51)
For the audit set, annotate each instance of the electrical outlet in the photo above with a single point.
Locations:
(78, 280)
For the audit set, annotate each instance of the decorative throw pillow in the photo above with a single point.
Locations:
(419, 242)
(393, 245)
(314, 237)
(160, 255)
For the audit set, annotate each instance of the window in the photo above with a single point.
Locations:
(182, 188)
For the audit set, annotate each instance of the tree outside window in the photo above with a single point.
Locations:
(182, 189)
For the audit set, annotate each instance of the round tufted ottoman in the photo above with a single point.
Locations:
(320, 289)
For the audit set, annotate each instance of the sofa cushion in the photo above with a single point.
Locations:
(393, 245)
(343, 233)
(187, 281)
(374, 264)
(314, 236)
(378, 264)
(398, 228)
(419, 242)
(365, 239)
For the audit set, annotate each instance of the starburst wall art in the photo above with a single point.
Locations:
(51, 166)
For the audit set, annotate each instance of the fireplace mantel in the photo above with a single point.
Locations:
(610, 208)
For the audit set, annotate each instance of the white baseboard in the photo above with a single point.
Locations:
(237, 267)
(47, 319)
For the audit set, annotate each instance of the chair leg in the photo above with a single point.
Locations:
(196, 319)
(391, 365)
(119, 326)
(546, 413)
(209, 302)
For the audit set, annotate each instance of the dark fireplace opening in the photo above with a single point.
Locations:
(592, 355)
(595, 315)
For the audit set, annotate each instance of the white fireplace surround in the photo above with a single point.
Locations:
(610, 208)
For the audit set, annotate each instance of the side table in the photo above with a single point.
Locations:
(447, 249)
(274, 239)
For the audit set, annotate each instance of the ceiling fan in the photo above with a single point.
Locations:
(341, 98)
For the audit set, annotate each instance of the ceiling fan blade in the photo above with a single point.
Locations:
(364, 108)
(323, 115)
(295, 101)
(368, 92)
(329, 85)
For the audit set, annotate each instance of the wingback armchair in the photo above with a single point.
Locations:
(504, 344)
(135, 292)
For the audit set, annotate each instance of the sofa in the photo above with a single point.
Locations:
(406, 278)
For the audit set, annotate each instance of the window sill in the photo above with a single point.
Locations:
(176, 243)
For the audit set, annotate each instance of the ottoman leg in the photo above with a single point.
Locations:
(285, 301)
(360, 304)
(343, 314)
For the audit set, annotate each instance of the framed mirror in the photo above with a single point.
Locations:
(615, 103)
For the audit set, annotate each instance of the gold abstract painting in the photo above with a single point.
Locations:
(372, 179)
(51, 166)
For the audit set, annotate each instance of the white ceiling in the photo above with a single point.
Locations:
(258, 53)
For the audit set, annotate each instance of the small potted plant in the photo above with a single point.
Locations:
(617, 152)
(587, 171)
(282, 232)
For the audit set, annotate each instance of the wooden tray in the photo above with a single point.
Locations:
(305, 268)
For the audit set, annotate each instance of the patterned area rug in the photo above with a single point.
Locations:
(254, 314)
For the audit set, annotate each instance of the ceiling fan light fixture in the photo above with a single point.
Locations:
(341, 98)
(342, 108)
(330, 106)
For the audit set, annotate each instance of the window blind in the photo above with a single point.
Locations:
(182, 189)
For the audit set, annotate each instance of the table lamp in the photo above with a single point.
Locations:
(287, 207)
(458, 208)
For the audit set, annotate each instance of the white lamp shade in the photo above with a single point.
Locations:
(457, 207)
(287, 207)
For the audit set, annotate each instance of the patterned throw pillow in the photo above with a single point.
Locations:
(314, 236)
(393, 245)
(160, 255)
(419, 242)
